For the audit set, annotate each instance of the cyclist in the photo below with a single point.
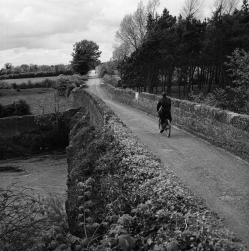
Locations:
(164, 109)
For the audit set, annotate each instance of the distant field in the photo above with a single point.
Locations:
(33, 80)
(41, 100)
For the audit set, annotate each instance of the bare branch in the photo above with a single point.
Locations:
(191, 8)
(225, 6)
(133, 26)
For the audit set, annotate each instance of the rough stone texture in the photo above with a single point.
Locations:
(223, 128)
(16, 125)
(94, 106)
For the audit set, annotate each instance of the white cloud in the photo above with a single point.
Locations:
(44, 31)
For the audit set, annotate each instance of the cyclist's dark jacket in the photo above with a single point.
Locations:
(165, 103)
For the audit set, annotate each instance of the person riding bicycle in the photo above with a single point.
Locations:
(164, 108)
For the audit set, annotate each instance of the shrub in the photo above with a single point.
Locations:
(61, 86)
(23, 85)
(18, 108)
(21, 108)
(110, 80)
(240, 101)
(4, 85)
(238, 67)
(24, 219)
(30, 84)
(69, 90)
(232, 99)
(48, 83)
(14, 85)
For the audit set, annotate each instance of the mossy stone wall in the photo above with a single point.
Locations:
(223, 128)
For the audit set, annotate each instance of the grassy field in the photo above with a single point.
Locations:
(33, 80)
(41, 100)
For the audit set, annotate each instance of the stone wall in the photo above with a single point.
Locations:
(223, 128)
(94, 106)
(16, 125)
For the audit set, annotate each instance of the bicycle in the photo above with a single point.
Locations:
(165, 126)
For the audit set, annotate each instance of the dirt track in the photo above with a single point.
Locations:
(210, 172)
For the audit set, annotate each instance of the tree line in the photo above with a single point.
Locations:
(84, 58)
(184, 51)
(9, 71)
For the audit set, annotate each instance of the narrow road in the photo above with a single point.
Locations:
(210, 172)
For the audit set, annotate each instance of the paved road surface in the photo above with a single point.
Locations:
(219, 177)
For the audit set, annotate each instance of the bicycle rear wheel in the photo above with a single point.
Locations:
(168, 128)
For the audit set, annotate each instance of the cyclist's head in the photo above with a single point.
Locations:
(164, 94)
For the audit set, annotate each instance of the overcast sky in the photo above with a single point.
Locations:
(44, 31)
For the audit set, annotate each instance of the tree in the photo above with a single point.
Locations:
(8, 66)
(239, 67)
(85, 56)
(245, 6)
(225, 6)
(191, 8)
(120, 53)
(133, 26)
(24, 68)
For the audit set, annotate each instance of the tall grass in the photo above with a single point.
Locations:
(25, 218)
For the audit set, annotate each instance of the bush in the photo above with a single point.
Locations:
(14, 86)
(4, 85)
(240, 101)
(23, 85)
(24, 219)
(110, 80)
(232, 99)
(18, 108)
(21, 108)
(69, 90)
(48, 83)
(61, 86)
(30, 84)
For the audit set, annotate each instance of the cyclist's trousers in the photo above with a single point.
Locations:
(164, 117)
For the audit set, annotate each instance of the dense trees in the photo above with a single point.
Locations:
(186, 51)
(85, 56)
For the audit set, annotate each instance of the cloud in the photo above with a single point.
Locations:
(48, 29)
(47, 25)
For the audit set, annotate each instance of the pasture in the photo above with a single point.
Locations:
(41, 100)
(34, 80)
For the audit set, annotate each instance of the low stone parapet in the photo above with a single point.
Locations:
(223, 128)
(16, 125)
